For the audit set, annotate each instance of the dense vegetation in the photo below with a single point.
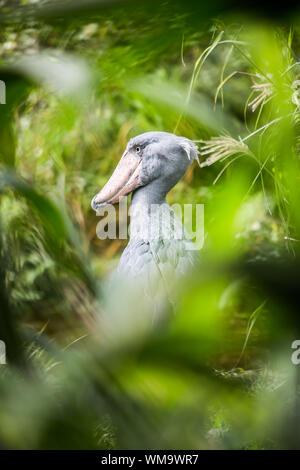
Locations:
(80, 81)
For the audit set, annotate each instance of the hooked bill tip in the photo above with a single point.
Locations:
(97, 205)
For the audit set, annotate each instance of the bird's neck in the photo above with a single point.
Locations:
(151, 217)
(148, 195)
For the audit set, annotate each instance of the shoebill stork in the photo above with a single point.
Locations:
(159, 248)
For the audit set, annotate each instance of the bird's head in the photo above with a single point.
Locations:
(152, 158)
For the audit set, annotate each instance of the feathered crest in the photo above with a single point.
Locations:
(190, 149)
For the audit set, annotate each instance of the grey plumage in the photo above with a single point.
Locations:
(155, 246)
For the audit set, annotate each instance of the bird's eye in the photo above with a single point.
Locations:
(138, 149)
